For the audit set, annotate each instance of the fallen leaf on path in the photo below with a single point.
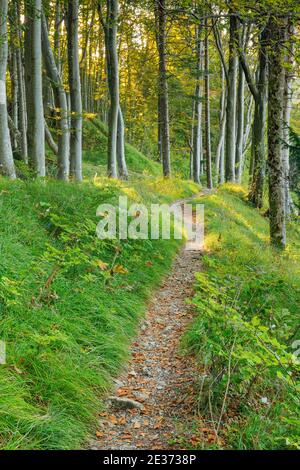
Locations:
(113, 419)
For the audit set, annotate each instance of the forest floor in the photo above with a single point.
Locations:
(154, 402)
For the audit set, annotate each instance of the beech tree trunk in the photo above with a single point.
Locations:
(75, 91)
(191, 141)
(240, 126)
(122, 167)
(207, 112)
(276, 36)
(34, 88)
(231, 100)
(287, 106)
(220, 147)
(7, 166)
(22, 107)
(22, 102)
(248, 126)
(57, 36)
(163, 98)
(113, 84)
(197, 130)
(259, 128)
(15, 92)
(61, 104)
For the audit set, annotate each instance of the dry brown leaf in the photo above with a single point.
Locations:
(113, 419)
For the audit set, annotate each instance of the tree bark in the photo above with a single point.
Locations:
(57, 36)
(248, 125)
(7, 166)
(50, 141)
(15, 91)
(75, 91)
(163, 99)
(276, 36)
(191, 141)
(207, 112)
(112, 63)
(61, 104)
(122, 167)
(259, 128)
(33, 82)
(231, 100)
(197, 130)
(222, 127)
(240, 126)
(287, 106)
(22, 103)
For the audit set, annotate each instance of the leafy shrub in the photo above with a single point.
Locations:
(247, 303)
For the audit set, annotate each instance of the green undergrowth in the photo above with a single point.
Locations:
(69, 303)
(246, 334)
(95, 152)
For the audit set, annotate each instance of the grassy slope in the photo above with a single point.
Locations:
(95, 153)
(245, 279)
(67, 340)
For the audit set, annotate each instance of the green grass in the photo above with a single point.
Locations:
(248, 301)
(95, 153)
(70, 303)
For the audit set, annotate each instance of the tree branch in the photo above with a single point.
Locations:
(252, 87)
(220, 49)
(50, 141)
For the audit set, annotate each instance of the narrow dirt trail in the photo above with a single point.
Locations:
(155, 398)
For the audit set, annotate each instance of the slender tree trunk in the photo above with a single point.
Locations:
(259, 127)
(207, 112)
(22, 91)
(22, 105)
(57, 36)
(222, 158)
(75, 91)
(191, 142)
(251, 164)
(61, 104)
(240, 126)
(231, 100)
(113, 84)
(7, 166)
(163, 99)
(122, 167)
(197, 131)
(276, 36)
(34, 88)
(50, 141)
(15, 91)
(287, 106)
(159, 131)
(220, 146)
(248, 126)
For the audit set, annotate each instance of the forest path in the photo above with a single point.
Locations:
(159, 380)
